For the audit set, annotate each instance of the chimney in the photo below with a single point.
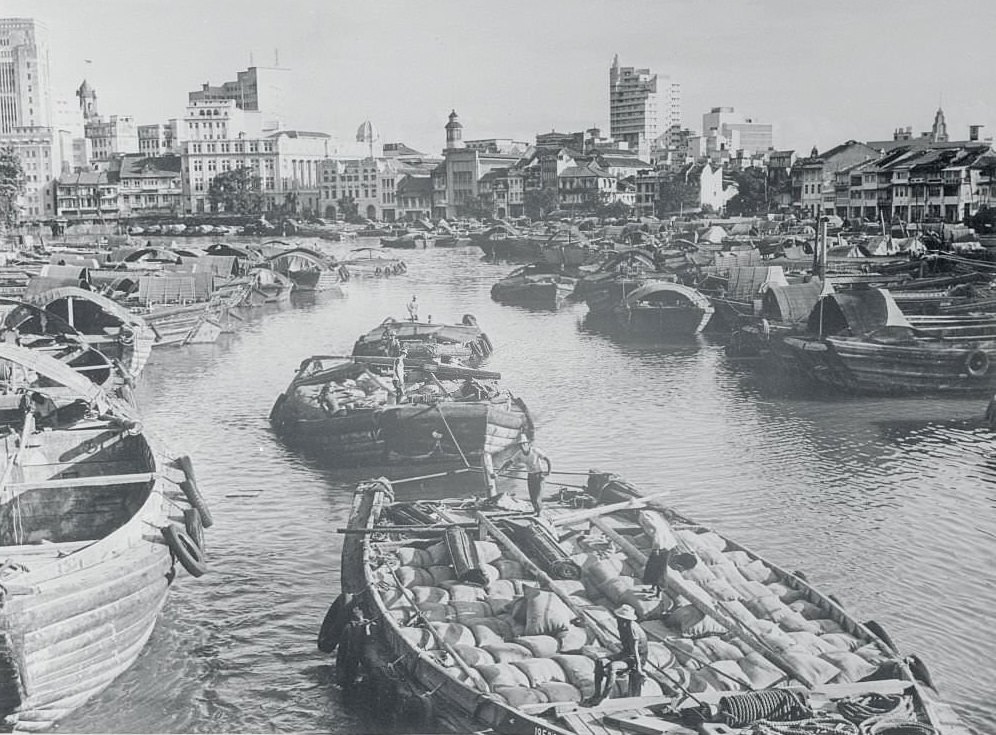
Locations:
(973, 131)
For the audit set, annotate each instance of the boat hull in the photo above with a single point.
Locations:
(447, 435)
(663, 321)
(549, 295)
(861, 366)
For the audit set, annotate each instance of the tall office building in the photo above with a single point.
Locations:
(642, 106)
(257, 89)
(25, 96)
(739, 132)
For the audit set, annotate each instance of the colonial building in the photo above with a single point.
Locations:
(455, 180)
(503, 192)
(585, 185)
(87, 196)
(414, 193)
(148, 186)
(287, 163)
(813, 177)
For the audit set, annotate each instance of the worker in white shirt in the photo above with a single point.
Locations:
(532, 459)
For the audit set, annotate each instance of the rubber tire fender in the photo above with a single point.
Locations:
(330, 634)
(194, 527)
(192, 492)
(977, 364)
(879, 632)
(185, 550)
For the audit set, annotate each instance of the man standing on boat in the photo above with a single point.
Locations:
(634, 648)
(398, 376)
(532, 459)
(413, 309)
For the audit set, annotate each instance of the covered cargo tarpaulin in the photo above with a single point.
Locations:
(746, 283)
(56, 276)
(880, 245)
(219, 265)
(170, 288)
(858, 313)
(738, 258)
(791, 303)
(713, 234)
(662, 290)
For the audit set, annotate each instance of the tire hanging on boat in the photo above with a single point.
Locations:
(194, 527)
(919, 670)
(977, 364)
(185, 550)
(330, 634)
(879, 632)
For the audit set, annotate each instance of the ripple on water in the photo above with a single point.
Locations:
(879, 501)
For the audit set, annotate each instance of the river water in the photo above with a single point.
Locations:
(888, 503)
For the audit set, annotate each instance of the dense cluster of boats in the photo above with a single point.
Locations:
(859, 313)
(606, 612)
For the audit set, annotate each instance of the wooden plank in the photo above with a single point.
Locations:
(646, 724)
(88, 481)
(582, 724)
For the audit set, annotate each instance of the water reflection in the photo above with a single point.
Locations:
(877, 500)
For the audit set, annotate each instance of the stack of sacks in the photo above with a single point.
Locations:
(607, 583)
(749, 591)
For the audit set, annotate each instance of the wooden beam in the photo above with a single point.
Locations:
(87, 481)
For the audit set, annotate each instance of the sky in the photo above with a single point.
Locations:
(820, 72)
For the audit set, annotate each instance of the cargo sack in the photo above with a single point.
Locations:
(579, 671)
(414, 576)
(793, 622)
(507, 652)
(419, 638)
(509, 569)
(501, 605)
(762, 673)
(692, 623)
(773, 636)
(806, 608)
(465, 560)
(786, 594)
(484, 634)
(716, 649)
(758, 571)
(501, 588)
(488, 552)
(546, 614)
(460, 592)
(740, 558)
(474, 655)
(720, 589)
(471, 609)
(764, 607)
(811, 643)
(557, 691)
(454, 633)
(430, 594)
(852, 666)
(616, 587)
(540, 670)
(658, 530)
(439, 554)
(572, 639)
(503, 675)
(519, 696)
(441, 574)
(815, 669)
(413, 557)
(842, 641)
(598, 569)
(541, 646)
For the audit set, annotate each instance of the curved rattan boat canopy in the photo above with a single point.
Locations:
(650, 290)
(108, 305)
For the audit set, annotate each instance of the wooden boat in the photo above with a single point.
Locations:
(190, 324)
(663, 309)
(92, 522)
(409, 241)
(104, 323)
(633, 264)
(345, 411)
(371, 263)
(538, 284)
(266, 286)
(309, 270)
(470, 616)
(465, 341)
(860, 341)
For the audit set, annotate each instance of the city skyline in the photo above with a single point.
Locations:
(819, 75)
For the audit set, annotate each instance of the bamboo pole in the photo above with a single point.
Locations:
(572, 519)
(677, 584)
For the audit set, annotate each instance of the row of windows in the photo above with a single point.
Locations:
(253, 147)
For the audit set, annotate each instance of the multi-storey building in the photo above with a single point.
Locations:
(813, 177)
(44, 154)
(455, 180)
(503, 191)
(287, 163)
(148, 186)
(414, 193)
(642, 106)
(87, 196)
(25, 94)
(257, 89)
(111, 136)
(585, 185)
(743, 133)
(498, 145)
(220, 119)
(159, 139)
